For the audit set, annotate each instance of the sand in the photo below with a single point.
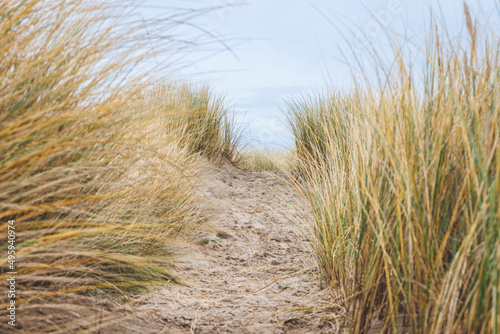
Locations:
(254, 273)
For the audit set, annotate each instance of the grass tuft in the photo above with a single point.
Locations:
(265, 160)
(403, 179)
(203, 125)
(91, 166)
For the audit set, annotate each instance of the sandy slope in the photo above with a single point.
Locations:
(254, 275)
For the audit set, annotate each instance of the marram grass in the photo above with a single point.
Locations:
(91, 167)
(203, 124)
(403, 179)
(266, 160)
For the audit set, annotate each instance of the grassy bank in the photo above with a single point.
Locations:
(91, 166)
(403, 179)
(267, 160)
(202, 123)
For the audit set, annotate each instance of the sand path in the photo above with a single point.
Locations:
(254, 275)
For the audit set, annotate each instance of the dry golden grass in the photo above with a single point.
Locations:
(403, 179)
(266, 160)
(203, 125)
(91, 166)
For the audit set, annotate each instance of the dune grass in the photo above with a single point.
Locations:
(91, 166)
(204, 124)
(403, 179)
(267, 160)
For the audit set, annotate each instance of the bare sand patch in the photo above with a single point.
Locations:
(253, 274)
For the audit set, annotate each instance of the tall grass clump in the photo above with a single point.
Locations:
(403, 179)
(204, 127)
(100, 190)
(306, 118)
(267, 160)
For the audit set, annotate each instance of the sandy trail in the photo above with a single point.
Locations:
(253, 276)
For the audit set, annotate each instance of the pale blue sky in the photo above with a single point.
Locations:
(281, 48)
